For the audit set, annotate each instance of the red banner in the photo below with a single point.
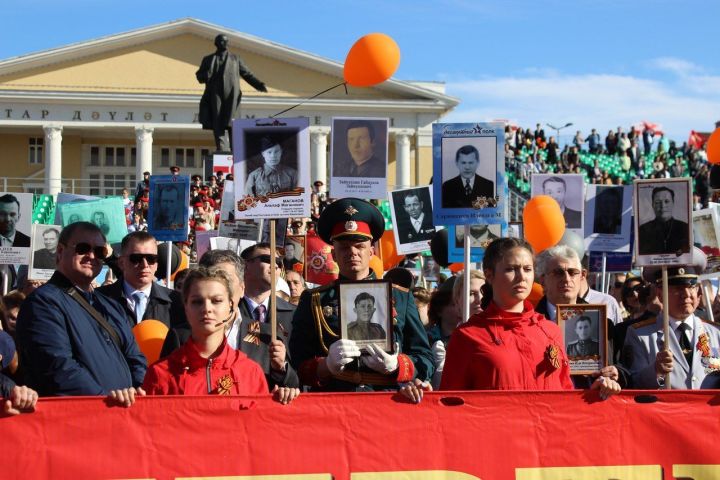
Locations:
(488, 435)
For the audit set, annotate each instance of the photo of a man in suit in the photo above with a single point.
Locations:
(557, 189)
(169, 207)
(462, 190)
(414, 222)
(44, 258)
(584, 346)
(9, 217)
(363, 160)
(665, 233)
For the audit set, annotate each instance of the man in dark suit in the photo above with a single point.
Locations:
(220, 103)
(556, 188)
(361, 146)
(665, 233)
(137, 292)
(417, 225)
(461, 191)
(9, 216)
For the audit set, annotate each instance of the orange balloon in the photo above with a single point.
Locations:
(713, 147)
(543, 222)
(536, 293)
(388, 252)
(371, 60)
(456, 267)
(150, 335)
(376, 265)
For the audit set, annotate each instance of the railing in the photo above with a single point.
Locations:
(517, 204)
(79, 186)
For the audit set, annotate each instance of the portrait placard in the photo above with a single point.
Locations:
(168, 215)
(584, 330)
(108, 214)
(515, 230)
(706, 236)
(662, 224)
(15, 221)
(430, 268)
(411, 212)
(45, 242)
(358, 157)
(568, 190)
(480, 237)
(202, 241)
(366, 313)
(609, 218)
(272, 167)
(294, 254)
(229, 226)
(63, 198)
(226, 243)
(469, 182)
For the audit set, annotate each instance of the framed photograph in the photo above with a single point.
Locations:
(663, 232)
(15, 221)
(107, 213)
(609, 214)
(480, 237)
(45, 242)
(430, 268)
(168, 215)
(366, 313)
(469, 182)
(515, 230)
(272, 167)
(584, 329)
(234, 244)
(63, 198)
(706, 236)
(568, 190)
(411, 212)
(294, 253)
(359, 157)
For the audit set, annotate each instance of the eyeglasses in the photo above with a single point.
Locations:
(561, 272)
(266, 259)
(137, 258)
(83, 248)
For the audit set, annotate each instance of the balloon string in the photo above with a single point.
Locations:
(314, 96)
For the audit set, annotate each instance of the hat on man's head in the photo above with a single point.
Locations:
(174, 168)
(679, 274)
(350, 219)
(146, 172)
(7, 350)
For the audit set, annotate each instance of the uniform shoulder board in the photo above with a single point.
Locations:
(401, 288)
(644, 323)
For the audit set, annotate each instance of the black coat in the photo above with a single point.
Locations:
(163, 304)
(453, 192)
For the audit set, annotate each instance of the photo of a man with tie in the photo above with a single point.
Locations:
(9, 219)
(461, 191)
(413, 215)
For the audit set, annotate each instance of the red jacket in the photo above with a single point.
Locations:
(185, 372)
(499, 350)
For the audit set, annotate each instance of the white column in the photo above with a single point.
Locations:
(402, 158)
(143, 145)
(318, 155)
(53, 159)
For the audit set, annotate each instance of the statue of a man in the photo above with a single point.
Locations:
(220, 102)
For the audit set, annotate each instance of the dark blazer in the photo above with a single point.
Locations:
(163, 304)
(407, 233)
(656, 237)
(21, 240)
(573, 218)
(453, 192)
(374, 167)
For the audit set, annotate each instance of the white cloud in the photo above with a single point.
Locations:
(591, 101)
(678, 66)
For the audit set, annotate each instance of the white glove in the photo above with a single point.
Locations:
(340, 354)
(438, 351)
(380, 361)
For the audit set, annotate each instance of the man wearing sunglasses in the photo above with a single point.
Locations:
(136, 291)
(73, 340)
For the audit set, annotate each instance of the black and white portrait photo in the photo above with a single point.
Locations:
(584, 329)
(663, 220)
(273, 162)
(469, 171)
(568, 191)
(608, 210)
(294, 253)
(609, 218)
(480, 235)
(411, 211)
(359, 147)
(366, 313)
(45, 242)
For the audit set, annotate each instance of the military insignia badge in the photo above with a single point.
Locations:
(327, 310)
(350, 211)
(552, 354)
(351, 226)
(224, 385)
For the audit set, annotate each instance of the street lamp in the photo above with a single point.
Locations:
(557, 130)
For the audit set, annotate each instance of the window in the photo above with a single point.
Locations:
(94, 156)
(109, 156)
(180, 157)
(120, 156)
(113, 184)
(94, 184)
(164, 157)
(35, 150)
(133, 156)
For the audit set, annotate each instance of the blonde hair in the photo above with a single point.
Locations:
(459, 284)
(202, 274)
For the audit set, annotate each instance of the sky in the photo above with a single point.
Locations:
(593, 64)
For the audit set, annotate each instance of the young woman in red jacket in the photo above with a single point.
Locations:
(206, 364)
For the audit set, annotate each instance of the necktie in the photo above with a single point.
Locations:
(467, 187)
(259, 313)
(140, 304)
(685, 344)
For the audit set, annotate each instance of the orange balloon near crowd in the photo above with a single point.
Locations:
(388, 252)
(371, 60)
(456, 267)
(713, 147)
(536, 293)
(150, 335)
(376, 265)
(543, 222)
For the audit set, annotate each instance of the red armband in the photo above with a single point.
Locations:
(406, 369)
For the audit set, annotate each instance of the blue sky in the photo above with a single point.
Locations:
(596, 64)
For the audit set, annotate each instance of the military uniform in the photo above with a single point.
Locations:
(316, 323)
(365, 331)
(583, 348)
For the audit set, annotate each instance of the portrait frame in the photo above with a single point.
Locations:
(648, 250)
(106, 213)
(63, 198)
(430, 268)
(407, 239)
(381, 293)
(706, 236)
(299, 242)
(169, 226)
(574, 197)
(456, 241)
(293, 136)
(602, 232)
(41, 272)
(516, 230)
(342, 184)
(202, 241)
(20, 251)
(235, 245)
(488, 139)
(568, 316)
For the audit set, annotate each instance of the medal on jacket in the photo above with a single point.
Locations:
(224, 385)
(252, 335)
(703, 344)
(552, 354)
